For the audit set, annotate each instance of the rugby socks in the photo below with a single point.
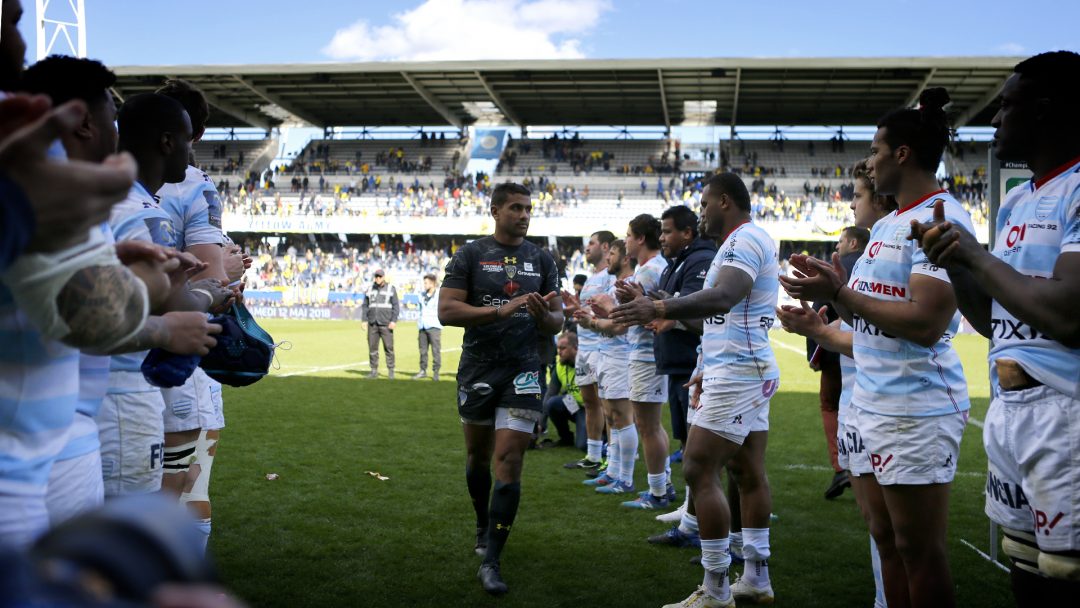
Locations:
(688, 524)
(756, 552)
(613, 454)
(879, 583)
(203, 526)
(715, 559)
(736, 544)
(504, 506)
(594, 449)
(479, 483)
(657, 484)
(628, 442)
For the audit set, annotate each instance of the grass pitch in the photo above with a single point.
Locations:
(326, 533)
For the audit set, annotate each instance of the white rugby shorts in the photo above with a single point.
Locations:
(1032, 441)
(909, 450)
(734, 409)
(613, 377)
(851, 450)
(75, 487)
(23, 518)
(585, 370)
(132, 434)
(646, 386)
(515, 419)
(195, 405)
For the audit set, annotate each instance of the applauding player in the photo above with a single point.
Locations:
(736, 379)
(909, 405)
(1023, 297)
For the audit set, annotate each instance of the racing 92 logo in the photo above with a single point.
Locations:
(874, 249)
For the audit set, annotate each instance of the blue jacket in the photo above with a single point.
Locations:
(676, 350)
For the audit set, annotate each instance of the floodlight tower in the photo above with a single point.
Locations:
(57, 21)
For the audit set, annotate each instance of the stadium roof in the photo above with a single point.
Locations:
(664, 92)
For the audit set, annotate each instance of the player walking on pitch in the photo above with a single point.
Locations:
(505, 292)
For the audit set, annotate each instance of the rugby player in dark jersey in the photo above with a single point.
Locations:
(505, 292)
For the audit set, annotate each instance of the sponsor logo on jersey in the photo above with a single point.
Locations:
(528, 266)
(1015, 235)
(510, 260)
(1012, 329)
(861, 325)
(885, 289)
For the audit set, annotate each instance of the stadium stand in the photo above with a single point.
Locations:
(424, 155)
(234, 156)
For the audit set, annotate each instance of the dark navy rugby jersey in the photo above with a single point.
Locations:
(492, 274)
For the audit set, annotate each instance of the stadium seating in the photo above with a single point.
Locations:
(226, 159)
(381, 156)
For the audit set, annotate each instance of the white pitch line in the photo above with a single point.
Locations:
(786, 346)
(976, 422)
(315, 370)
(983, 555)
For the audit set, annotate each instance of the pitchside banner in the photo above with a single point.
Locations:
(1004, 176)
(270, 305)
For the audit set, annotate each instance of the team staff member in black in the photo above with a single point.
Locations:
(505, 292)
(675, 346)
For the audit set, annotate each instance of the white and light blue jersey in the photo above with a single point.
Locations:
(735, 345)
(139, 217)
(615, 346)
(599, 283)
(896, 377)
(195, 208)
(646, 275)
(93, 385)
(39, 388)
(1037, 223)
(847, 376)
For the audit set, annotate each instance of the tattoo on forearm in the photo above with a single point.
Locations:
(152, 335)
(100, 303)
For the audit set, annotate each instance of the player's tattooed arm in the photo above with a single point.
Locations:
(732, 286)
(101, 304)
(181, 333)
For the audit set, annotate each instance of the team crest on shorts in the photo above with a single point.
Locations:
(527, 383)
(182, 409)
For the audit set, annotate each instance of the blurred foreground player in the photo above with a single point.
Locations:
(504, 291)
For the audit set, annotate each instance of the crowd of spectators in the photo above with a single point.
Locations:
(572, 152)
(316, 159)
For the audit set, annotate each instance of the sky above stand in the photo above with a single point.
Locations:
(159, 32)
